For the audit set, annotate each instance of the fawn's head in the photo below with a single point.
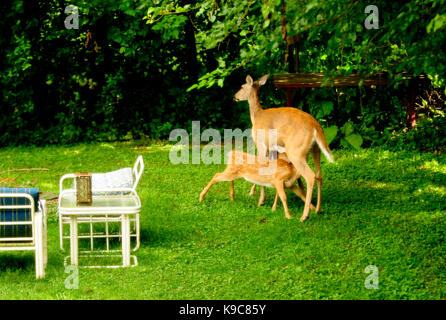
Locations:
(250, 88)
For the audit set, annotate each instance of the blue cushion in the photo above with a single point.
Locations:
(17, 214)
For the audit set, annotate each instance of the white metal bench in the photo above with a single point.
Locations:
(111, 205)
(23, 225)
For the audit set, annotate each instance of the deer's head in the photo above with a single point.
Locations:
(250, 88)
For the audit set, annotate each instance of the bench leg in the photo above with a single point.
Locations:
(45, 237)
(39, 245)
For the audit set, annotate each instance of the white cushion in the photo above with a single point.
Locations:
(122, 178)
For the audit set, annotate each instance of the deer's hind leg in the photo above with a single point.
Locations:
(298, 157)
(316, 153)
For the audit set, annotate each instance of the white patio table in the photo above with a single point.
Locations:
(105, 203)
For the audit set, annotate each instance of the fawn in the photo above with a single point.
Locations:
(248, 166)
(262, 188)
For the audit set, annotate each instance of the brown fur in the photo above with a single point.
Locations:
(297, 132)
(248, 166)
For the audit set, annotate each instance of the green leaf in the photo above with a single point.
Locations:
(355, 140)
(436, 23)
(330, 133)
(347, 129)
(352, 36)
(327, 107)
(192, 87)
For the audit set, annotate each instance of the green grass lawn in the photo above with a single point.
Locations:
(379, 208)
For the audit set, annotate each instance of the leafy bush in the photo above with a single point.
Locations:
(428, 135)
(138, 68)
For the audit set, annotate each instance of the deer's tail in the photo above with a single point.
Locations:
(319, 137)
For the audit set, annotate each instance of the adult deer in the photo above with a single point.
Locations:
(297, 133)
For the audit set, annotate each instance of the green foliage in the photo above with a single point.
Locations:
(334, 40)
(428, 135)
(350, 138)
(330, 133)
(114, 78)
(325, 108)
(408, 38)
(138, 68)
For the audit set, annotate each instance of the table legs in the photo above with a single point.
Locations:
(74, 245)
(125, 240)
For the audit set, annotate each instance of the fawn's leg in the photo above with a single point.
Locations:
(218, 177)
(231, 190)
(301, 185)
(262, 196)
(301, 195)
(275, 202)
(253, 190)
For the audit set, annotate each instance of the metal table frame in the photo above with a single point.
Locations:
(107, 208)
(106, 213)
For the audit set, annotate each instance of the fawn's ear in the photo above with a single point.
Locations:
(263, 79)
(249, 80)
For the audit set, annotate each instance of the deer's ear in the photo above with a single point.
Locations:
(249, 80)
(263, 79)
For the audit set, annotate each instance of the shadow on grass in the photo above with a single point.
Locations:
(17, 261)
(392, 170)
(154, 236)
(371, 198)
(395, 185)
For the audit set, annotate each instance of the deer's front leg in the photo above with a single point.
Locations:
(281, 191)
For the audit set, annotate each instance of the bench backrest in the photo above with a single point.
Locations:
(17, 207)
